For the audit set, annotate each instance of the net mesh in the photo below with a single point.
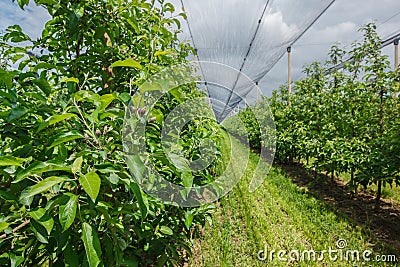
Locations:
(249, 36)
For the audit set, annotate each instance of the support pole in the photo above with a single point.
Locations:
(289, 51)
(196, 58)
(396, 59)
(396, 54)
(257, 96)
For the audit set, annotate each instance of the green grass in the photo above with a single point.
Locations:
(279, 215)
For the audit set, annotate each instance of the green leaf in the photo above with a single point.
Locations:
(166, 230)
(133, 24)
(125, 97)
(136, 166)
(15, 34)
(91, 184)
(176, 92)
(44, 85)
(76, 166)
(105, 101)
(71, 258)
(73, 80)
(54, 119)
(37, 96)
(10, 161)
(162, 53)
(179, 162)
(189, 219)
(67, 210)
(47, 2)
(16, 260)
(86, 95)
(187, 179)
(43, 218)
(22, 3)
(16, 113)
(25, 75)
(92, 245)
(127, 63)
(7, 77)
(44, 65)
(113, 178)
(148, 87)
(168, 7)
(158, 114)
(8, 196)
(39, 231)
(43, 186)
(65, 137)
(138, 193)
(27, 201)
(40, 167)
(3, 226)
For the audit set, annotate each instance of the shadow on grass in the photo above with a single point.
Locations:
(383, 224)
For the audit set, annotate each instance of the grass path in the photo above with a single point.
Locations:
(278, 216)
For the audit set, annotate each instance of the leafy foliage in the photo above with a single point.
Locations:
(343, 121)
(66, 196)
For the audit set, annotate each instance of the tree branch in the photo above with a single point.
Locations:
(19, 227)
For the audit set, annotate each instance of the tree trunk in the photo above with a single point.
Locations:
(378, 195)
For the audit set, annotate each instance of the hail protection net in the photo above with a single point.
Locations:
(249, 36)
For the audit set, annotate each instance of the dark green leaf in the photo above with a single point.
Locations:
(43, 85)
(8, 196)
(43, 218)
(16, 113)
(65, 137)
(138, 193)
(92, 245)
(54, 119)
(71, 258)
(40, 167)
(43, 186)
(125, 97)
(67, 210)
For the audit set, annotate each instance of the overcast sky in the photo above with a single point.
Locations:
(339, 24)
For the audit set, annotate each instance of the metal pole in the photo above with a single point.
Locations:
(196, 58)
(289, 51)
(257, 92)
(396, 59)
(396, 54)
